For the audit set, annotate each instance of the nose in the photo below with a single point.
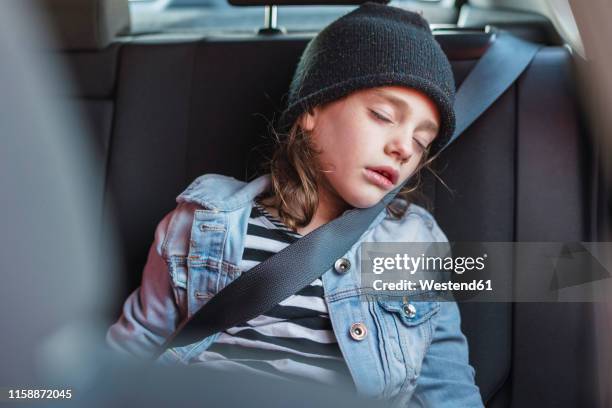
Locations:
(401, 147)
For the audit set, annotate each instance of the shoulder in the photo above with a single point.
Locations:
(210, 189)
(223, 193)
(418, 220)
(213, 192)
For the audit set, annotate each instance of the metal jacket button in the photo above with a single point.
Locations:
(410, 310)
(358, 331)
(342, 265)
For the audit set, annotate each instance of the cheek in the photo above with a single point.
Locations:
(356, 140)
(409, 168)
(340, 145)
(347, 143)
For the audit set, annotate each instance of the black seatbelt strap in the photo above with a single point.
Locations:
(297, 265)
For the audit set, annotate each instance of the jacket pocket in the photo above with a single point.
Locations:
(410, 326)
(411, 313)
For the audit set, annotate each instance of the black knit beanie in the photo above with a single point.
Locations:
(373, 45)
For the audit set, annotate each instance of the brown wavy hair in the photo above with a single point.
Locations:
(294, 171)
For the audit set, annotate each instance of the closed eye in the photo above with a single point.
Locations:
(380, 117)
(421, 145)
(383, 118)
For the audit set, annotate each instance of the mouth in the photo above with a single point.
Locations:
(384, 177)
(387, 172)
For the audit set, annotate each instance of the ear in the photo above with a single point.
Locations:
(308, 120)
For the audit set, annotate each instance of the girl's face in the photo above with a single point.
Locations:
(384, 129)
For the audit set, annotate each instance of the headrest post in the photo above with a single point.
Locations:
(270, 26)
(270, 17)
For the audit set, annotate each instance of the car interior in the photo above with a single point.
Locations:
(166, 106)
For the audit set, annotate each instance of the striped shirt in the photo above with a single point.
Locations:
(293, 340)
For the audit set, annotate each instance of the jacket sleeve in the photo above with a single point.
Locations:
(446, 379)
(151, 313)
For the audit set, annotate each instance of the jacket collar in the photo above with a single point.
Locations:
(224, 193)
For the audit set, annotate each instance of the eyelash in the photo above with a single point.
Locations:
(380, 117)
(421, 145)
(386, 120)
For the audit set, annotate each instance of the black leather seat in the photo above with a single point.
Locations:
(181, 108)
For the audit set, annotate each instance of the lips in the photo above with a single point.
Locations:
(388, 172)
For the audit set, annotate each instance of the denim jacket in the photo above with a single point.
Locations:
(420, 359)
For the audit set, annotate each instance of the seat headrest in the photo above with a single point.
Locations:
(87, 24)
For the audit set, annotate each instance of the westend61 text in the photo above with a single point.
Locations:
(430, 284)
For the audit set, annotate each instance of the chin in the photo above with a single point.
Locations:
(364, 201)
